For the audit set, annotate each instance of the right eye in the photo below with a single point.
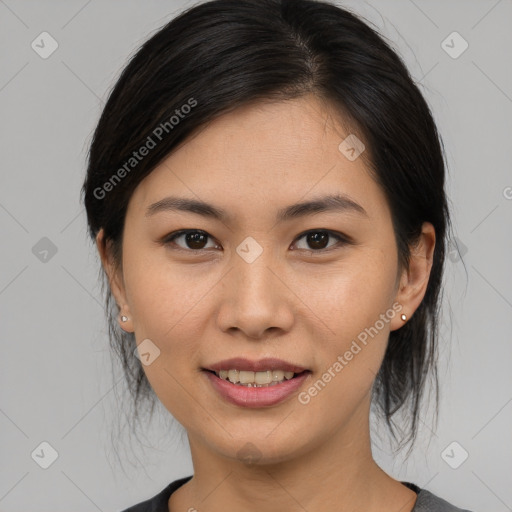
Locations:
(194, 239)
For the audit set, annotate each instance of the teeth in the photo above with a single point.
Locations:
(255, 379)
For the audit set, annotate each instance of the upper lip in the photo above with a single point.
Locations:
(269, 363)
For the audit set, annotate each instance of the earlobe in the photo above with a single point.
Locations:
(125, 323)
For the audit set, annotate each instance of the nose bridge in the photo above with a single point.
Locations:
(255, 281)
(256, 299)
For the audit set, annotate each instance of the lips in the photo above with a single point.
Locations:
(243, 364)
(254, 397)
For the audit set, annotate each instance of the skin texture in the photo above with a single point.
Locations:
(202, 307)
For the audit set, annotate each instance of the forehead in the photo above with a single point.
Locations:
(267, 156)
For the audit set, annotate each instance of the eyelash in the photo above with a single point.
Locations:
(342, 239)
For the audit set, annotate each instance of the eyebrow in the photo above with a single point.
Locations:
(333, 202)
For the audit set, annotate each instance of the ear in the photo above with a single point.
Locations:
(115, 280)
(414, 279)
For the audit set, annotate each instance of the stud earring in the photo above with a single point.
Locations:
(125, 318)
(403, 317)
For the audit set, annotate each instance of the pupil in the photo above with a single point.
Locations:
(317, 239)
(194, 240)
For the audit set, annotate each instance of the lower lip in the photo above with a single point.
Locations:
(256, 397)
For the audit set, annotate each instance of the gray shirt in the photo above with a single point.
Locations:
(428, 502)
(425, 502)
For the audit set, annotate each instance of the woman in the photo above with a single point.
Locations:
(266, 191)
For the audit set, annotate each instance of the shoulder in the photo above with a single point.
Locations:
(158, 503)
(429, 502)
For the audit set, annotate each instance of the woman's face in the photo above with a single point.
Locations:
(253, 285)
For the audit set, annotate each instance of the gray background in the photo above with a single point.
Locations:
(56, 379)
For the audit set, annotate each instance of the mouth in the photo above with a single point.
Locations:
(256, 389)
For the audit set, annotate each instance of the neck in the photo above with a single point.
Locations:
(335, 473)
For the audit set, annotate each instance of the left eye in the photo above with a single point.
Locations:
(318, 239)
(195, 240)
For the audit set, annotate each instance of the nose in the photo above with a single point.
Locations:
(255, 299)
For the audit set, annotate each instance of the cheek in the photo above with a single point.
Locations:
(354, 294)
(351, 307)
(167, 308)
(349, 359)
(161, 295)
